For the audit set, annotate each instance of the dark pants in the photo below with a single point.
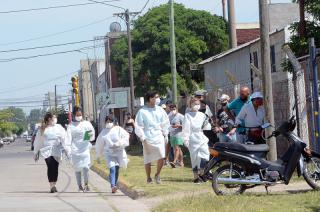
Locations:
(53, 166)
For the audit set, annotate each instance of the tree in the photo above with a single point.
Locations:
(300, 45)
(165, 81)
(198, 36)
(19, 118)
(7, 127)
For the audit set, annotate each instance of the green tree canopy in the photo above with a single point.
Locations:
(198, 36)
(19, 118)
(300, 45)
(7, 127)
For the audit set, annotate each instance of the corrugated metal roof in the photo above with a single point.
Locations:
(218, 56)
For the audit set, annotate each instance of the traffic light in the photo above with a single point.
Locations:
(75, 86)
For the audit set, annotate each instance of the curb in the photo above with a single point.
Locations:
(124, 187)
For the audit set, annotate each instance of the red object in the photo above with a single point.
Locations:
(247, 35)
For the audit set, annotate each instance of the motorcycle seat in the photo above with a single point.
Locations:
(242, 147)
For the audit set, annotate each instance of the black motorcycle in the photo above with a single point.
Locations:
(236, 167)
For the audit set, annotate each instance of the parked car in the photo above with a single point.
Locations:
(29, 138)
(34, 133)
(1, 143)
(8, 139)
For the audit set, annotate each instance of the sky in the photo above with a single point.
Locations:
(28, 80)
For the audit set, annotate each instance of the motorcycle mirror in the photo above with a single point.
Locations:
(265, 125)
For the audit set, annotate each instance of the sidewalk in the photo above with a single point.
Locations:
(24, 187)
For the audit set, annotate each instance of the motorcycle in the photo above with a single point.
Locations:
(236, 167)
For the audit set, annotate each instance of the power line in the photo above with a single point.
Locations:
(43, 55)
(36, 85)
(57, 33)
(111, 5)
(144, 6)
(52, 7)
(48, 46)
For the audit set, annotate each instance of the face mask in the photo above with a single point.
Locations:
(174, 112)
(78, 118)
(195, 107)
(158, 100)
(54, 121)
(109, 125)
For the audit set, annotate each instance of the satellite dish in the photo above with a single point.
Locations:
(115, 27)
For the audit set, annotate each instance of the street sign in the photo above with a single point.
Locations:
(102, 99)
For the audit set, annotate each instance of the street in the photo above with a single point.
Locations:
(24, 186)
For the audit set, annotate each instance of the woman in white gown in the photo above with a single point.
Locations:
(79, 135)
(49, 143)
(152, 127)
(194, 138)
(112, 142)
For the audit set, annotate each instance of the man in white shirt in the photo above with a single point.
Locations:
(252, 114)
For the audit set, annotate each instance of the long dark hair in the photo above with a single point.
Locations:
(45, 121)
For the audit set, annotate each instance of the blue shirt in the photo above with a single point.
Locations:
(235, 106)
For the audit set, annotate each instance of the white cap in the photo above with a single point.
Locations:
(200, 93)
(256, 95)
(224, 98)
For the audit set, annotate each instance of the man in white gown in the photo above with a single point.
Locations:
(152, 127)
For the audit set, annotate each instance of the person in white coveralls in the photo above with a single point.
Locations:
(152, 127)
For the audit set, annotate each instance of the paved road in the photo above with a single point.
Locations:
(24, 187)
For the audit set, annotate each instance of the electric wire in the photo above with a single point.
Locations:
(52, 7)
(48, 46)
(56, 33)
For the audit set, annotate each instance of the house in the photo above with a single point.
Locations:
(226, 71)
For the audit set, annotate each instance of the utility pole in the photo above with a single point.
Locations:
(126, 16)
(266, 75)
(173, 53)
(55, 97)
(232, 25)
(314, 71)
(49, 101)
(224, 12)
(302, 24)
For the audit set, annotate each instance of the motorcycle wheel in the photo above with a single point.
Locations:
(227, 189)
(311, 172)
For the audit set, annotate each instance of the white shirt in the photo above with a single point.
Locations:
(152, 124)
(250, 116)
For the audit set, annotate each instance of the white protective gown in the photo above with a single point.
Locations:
(115, 156)
(51, 142)
(79, 148)
(193, 133)
(152, 125)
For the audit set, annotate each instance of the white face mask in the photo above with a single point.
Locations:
(78, 118)
(54, 121)
(195, 107)
(174, 112)
(109, 125)
(158, 100)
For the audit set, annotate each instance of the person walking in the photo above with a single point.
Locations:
(224, 124)
(151, 126)
(192, 130)
(176, 139)
(252, 115)
(128, 125)
(234, 108)
(49, 143)
(112, 142)
(79, 135)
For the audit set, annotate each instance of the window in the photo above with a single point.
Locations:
(273, 59)
(255, 59)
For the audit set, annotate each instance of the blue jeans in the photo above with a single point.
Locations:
(226, 138)
(114, 175)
